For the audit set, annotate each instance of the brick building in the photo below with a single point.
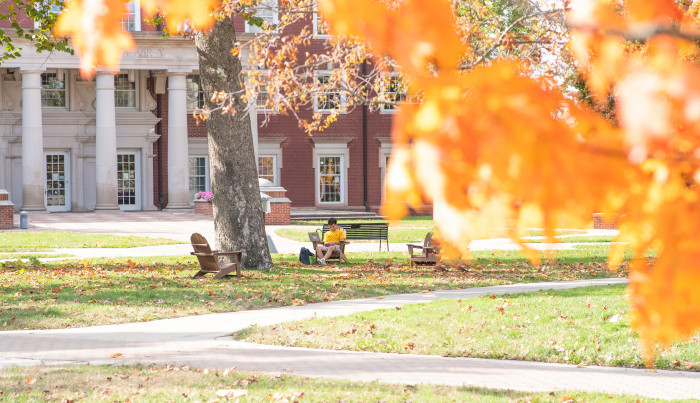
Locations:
(129, 141)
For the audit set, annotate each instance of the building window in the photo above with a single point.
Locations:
(394, 90)
(320, 25)
(258, 82)
(195, 93)
(199, 175)
(329, 98)
(267, 168)
(267, 11)
(330, 179)
(131, 20)
(262, 98)
(53, 90)
(124, 92)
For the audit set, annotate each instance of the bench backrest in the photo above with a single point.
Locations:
(373, 230)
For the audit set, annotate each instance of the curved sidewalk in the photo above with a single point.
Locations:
(205, 341)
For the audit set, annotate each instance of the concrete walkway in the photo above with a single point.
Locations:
(204, 341)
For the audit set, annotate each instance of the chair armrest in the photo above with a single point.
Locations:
(201, 254)
(235, 252)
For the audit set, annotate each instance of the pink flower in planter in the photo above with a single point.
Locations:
(203, 196)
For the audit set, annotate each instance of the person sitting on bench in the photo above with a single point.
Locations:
(331, 241)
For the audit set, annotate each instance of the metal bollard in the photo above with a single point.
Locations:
(23, 220)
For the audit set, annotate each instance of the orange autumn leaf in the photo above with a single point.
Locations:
(658, 11)
(96, 33)
(414, 40)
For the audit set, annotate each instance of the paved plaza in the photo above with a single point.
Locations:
(205, 340)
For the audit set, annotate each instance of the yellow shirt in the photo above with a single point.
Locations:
(333, 236)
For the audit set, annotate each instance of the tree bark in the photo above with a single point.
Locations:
(239, 221)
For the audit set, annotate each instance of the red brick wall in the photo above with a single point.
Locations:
(279, 214)
(206, 208)
(7, 210)
(7, 217)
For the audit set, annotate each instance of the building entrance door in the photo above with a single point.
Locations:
(57, 185)
(129, 183)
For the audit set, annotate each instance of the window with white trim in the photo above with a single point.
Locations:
(267, 168)
(262, 97)
(131, 20)
(195, 93)
(270, 158)
(267, 11)
(198, 175)
(331, 177)
(394, 90)
(124, 91)
(320, 25)
(331, 161)
(53, 90)
(328, 98)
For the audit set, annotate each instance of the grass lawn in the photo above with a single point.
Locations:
(181, 384)
(582, 326)
(75, 293)
(577, 239)
(19, 241)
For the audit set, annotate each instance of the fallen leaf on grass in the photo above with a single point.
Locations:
(231, 392)
(282, 398)
(30, 381)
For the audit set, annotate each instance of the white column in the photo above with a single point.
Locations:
(105, 143)
(178, 154)
(32, 143)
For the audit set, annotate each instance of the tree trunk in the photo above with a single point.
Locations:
(239, 221)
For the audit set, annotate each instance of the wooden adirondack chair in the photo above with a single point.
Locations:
(429, 253)
(209, 259)
(315, 239)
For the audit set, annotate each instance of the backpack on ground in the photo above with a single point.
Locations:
(305, 255)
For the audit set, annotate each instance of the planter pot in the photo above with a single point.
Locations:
(204, 207)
